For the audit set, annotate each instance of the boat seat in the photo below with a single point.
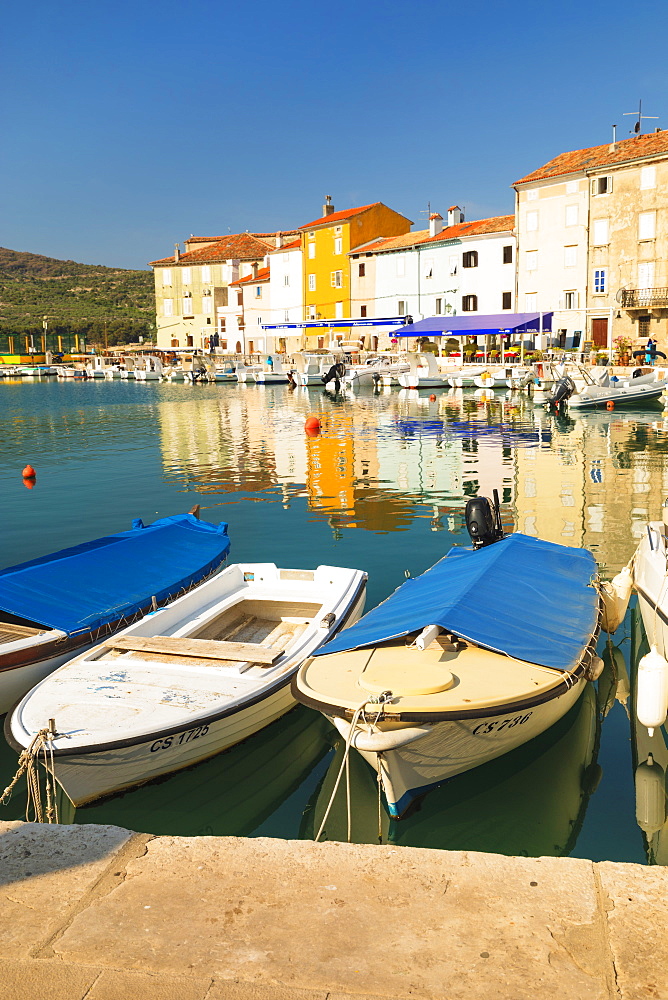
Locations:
(209, 649)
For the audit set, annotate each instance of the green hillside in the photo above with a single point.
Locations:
(85, 299)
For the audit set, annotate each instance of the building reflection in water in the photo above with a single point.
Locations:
(590, 479)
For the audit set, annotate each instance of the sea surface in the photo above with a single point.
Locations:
(383, 488)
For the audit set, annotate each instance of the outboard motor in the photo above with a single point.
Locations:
(336, 372)
(483, 520)
(637, 373)
(563, 390)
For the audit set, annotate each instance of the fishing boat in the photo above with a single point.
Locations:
(188, 681)
(483, 652)
(582, 389)
(53, 607)
(309, 369)
(423, 373)
(272, 374)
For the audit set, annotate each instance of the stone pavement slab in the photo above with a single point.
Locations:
(114, 985)
(636, 899)
(352, 918)
(45, 872)
(42, 980)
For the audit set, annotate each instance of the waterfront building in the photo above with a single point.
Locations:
(593, 235)
(464, 267)
(326, 243)
(286, 291)
(192, 289)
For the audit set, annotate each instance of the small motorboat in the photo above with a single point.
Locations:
(188, 681)
(53, 607)
(423, 373)
(483, 652)
(272, 373)
(579, 388)
(309, 369)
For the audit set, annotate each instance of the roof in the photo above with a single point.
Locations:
(479, 227)
(252, 279)
(238, 246)
(608, 155)
(293, 245)
(349, 213)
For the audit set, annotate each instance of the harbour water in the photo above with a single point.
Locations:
(382, 488)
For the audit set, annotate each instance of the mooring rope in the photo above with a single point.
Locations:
(40, 750)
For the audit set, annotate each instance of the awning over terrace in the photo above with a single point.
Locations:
(478, 326)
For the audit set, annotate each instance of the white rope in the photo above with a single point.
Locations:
(349, 738)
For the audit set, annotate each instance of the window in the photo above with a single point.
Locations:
(601, 237)
(647, 178)
(207, 305)
(506, 300)
(311, 250)
(206, 274)
(223, 344)
(175, 343)
(570, 300)
(188, 305)
(240, 298)
(646, 275)
(311, 312)
(453, 265)
(601, 185)
(337, 279)
(286, 316)
(570, 256)
(428, 268)
(259, 321)
(532, 222)
(361, 270)
(401, 267)
(338, 310)
(258, 291)
(470, 259)
(530, 301)
(401, 308)
(338, 230)
(338, 245)
(507, 255)
(311, 282)
(571, 215)
(644, 326)
(599, 281)
(189, 341)
(531, 258)
(186, 275)
(532, 195)
(362, 311)
(286, 280)
(168, 307)
(646, 225)
(167, 276)
(311, 236)
(469, 303)
(438, 307)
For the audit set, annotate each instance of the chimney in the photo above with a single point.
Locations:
(328, 208)
(612, 148)
(177, 252)
(455, 215)
(255, 269)
(435, 224)
(279, 240)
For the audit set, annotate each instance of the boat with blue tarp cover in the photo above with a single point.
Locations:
(484, 651)
(54, 606)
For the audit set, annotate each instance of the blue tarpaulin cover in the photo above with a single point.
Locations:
(521, 596)
(95, 583)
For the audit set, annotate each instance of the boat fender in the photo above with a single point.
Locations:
(652, 690)
(591, 778)
(382, 741)
(427, 636)
(650, 796)
(594, 668)
(616, 595)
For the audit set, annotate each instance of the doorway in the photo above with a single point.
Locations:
(599, 333)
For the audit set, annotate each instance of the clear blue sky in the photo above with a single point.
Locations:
(128, 126)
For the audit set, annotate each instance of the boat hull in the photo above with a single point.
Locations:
(457, 745)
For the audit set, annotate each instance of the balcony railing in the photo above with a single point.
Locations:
(644, 298)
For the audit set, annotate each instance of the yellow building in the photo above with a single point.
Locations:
(325, 244)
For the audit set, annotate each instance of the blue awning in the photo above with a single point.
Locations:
(476, 326)
(521, 596)
(98, 582)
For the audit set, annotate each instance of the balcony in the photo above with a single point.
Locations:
(644, 298)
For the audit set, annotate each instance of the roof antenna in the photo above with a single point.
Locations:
(637, 128)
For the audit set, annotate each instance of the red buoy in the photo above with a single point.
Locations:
(432, 398)
(29, 472)
(312, 426)
(610, 405)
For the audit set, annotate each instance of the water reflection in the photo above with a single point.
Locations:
(530, 802)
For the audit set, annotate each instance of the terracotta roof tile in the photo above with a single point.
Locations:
(479, 227)
(653, 144)
(349, 213)
(239, 246)
(294, 245)
(252, 279)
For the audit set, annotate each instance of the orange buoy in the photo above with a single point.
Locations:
(29, 482)
(312, 426)
(610, 405)
(432, 398)
(28, 472)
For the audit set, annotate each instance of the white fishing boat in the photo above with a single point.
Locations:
(148, 369)
(246, 372)
(53, 607)
(585, 389)
(272, 373)
(423, 373)
(188, 681)
(309, 369)
(483, 652)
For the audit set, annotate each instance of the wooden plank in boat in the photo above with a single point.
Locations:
(211, 649)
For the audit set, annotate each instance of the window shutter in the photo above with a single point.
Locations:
(593, 186)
